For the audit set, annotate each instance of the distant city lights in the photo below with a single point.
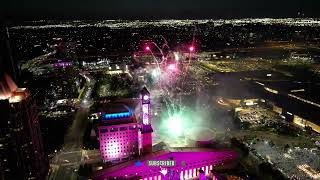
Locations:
(187, 110)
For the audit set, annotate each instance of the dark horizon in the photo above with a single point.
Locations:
(124, 9)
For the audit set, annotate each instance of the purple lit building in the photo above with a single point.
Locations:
(62, 64)
(189, 163)
(145, 134)
(118, 133)
(121, 136)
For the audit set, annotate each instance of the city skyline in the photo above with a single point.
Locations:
(161, 99)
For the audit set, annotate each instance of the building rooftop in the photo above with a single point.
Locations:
(188, 155)
(111, 108)
(10, 91)
(114, 113)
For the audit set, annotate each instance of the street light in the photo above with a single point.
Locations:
(147, 48)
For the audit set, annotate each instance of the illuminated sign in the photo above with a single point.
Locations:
(117, 115)
(161, 163)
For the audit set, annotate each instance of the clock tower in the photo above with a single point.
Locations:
(146, 128)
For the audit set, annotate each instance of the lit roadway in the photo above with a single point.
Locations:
(66, 162)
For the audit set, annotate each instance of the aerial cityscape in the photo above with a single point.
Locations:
(152, 99)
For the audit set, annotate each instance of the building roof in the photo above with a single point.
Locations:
(113, 113)
(144, 91)
(111, 108)
(188, 155)
(130, 102)
(7, 86)
(9, 90)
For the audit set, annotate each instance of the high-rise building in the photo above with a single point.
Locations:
(22, 154)
(121, 136)
(118, 133)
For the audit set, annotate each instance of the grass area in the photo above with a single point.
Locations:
(238, 65)
(115, 86)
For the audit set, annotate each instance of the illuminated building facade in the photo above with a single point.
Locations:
(121, 136)
(145, 134)
(22, 154)
(188, 164)
(118, 133)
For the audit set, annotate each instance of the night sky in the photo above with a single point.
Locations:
(145, 9)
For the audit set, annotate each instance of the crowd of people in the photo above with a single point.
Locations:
(300, 163)
(256, 116)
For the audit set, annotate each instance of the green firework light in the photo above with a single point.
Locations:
(175, 122)
(181, 127)
(156, 73)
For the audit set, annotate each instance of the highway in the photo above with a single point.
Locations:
(66, 162)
